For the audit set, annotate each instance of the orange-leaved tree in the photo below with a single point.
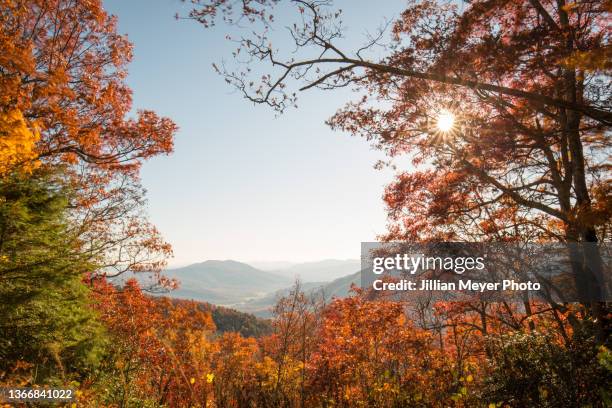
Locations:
(527, 83)
(160, 351)
(62, 76)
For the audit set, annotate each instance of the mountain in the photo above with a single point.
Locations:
(239, 295)
(319, 271)
(252, 290)
(224, 282)
(341, 287)
(337, 288)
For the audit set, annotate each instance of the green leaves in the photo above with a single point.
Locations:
(44, 315)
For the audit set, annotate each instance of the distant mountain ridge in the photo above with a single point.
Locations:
(223, 282)
(271, 266)
(242, 287)
(227, 273)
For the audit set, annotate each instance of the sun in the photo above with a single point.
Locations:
(446, 121)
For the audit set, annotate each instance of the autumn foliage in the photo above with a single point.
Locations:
(18, 147)
(64, 66)
(526, 160)
(350, 352)
(64, 96)
(70, 196)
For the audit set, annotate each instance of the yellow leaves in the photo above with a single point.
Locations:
(209, 378)
(594, 60)
(17, 143)
(569, 7)
(192, 380)
(462, 393)
(469, 378)
(604, 356)
(298, 366)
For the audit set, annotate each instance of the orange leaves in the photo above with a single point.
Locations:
(153, 135)
(68, 47)
(157, 343)
(63, 65)
(351, 352)
(370, 350)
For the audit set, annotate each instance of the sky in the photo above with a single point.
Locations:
(244, 183)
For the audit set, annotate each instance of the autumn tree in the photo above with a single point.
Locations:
(296, 319)
(239, 374)
(71, 203)
(370, 353)
(526, 84)
(515, 114)
(161, 351)
(536, 370)
(62, 75)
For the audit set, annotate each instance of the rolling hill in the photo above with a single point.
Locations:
(242, 287)
(224, 282)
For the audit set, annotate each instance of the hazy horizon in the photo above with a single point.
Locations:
(255, 263)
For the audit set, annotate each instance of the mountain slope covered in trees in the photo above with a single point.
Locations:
(230, 320)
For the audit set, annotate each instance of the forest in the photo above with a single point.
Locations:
(504, 111)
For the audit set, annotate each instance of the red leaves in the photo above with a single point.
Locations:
(159, 347)
(352, 351)
(424, 204)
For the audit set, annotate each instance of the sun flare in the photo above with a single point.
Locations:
(446, 121)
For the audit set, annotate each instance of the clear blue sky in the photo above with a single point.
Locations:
(242, 183)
